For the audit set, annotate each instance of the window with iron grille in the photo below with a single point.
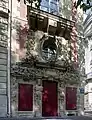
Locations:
(49, 49)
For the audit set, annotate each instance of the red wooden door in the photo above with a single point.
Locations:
(71, 98)
(49, 99)
(25, 97)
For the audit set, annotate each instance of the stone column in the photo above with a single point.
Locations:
(38, 99)
(61, 100)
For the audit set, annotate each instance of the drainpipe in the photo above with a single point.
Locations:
(9, 58)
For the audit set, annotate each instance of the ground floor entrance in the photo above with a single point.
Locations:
(49, 98)
(43, 92)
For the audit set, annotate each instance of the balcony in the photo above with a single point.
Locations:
(49, 23)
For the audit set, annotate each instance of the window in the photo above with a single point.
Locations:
(71, 98)
(25, 98)
(51, 6)
(49, 49)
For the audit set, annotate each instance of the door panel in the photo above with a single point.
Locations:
(25, 97)
(71, 98)
(49, 99)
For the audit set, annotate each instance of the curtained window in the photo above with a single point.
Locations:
(25, 97)
(51, 6)
(71, 98)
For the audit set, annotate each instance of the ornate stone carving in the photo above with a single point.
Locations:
(37, 97)
(28, 71)
(33, 73)
(61, 98)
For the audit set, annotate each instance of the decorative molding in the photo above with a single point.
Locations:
(69, 76)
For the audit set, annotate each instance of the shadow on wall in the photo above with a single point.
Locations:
(19, 36)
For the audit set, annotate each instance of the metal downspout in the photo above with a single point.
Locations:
(9, 58)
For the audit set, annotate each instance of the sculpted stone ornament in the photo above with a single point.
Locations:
(39, 89)
(38, 96)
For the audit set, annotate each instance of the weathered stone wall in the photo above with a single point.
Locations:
(35, 42)
(36, 81)
(3, 56)
(35, 69)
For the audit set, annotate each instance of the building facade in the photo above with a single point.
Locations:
(42, 71)
(88, 60)
(3, 56)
